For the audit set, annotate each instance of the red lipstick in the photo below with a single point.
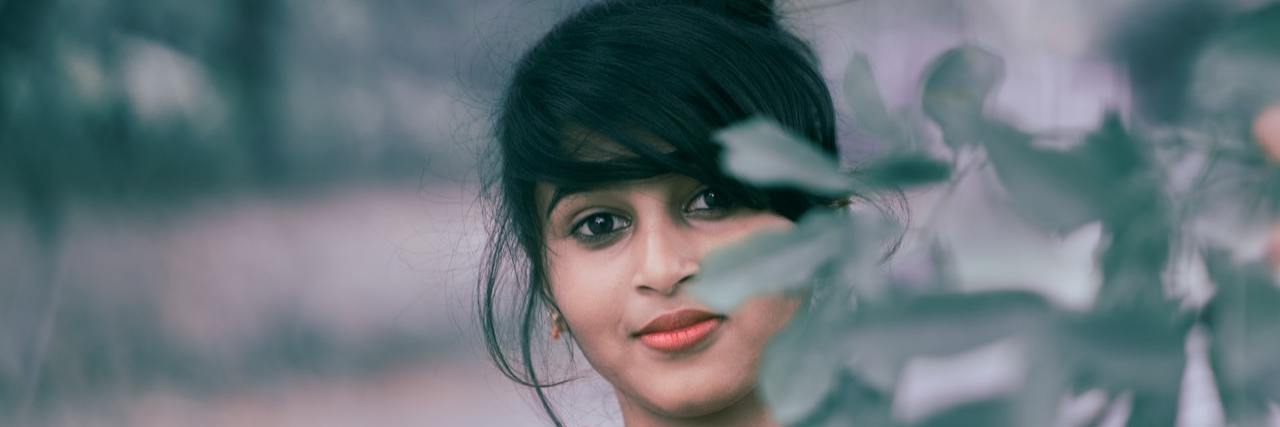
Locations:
(679, 330)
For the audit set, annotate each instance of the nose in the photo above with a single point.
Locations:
(668, 256)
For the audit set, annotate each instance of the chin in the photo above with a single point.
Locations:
(689, 387)
(694, 394)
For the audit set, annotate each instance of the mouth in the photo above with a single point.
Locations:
(679, 330)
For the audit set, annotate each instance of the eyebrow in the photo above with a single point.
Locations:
(562, 192)
(559, 194)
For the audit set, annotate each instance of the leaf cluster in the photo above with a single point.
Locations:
(841, 360)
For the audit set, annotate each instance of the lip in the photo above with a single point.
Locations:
(679, 330)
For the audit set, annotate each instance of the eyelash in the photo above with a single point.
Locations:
(710, 212)
(594, 239)
(707, 213)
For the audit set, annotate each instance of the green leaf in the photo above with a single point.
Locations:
(772, 262)
(1135, 258)
(1156, 45)
(1244, 327)
(1057, 190)
(852, 403)
(1137, 348)
(1038, 401)
(1062, 190)
(802, 363)
(867, 107)
(1112, 166)
(944, 324)
(1234, 208)
(956, 91)
(987, 413)
(1043, 185)
(1234, 77)
(1107, 179)
(885, 336)
(762, 152)
(1154, 408)
(901, 171)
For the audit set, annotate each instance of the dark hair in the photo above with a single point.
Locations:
(632, 72)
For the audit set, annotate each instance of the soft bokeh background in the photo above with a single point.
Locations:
(263, 212)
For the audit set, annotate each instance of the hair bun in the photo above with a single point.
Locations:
(758, 12)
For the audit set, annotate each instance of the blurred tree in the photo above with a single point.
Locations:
(144, 107)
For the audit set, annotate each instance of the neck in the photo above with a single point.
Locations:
(749, 411)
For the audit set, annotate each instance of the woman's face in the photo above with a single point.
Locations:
(619, 260)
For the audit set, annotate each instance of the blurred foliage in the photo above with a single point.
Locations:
(149, 107)
(1197, 89)
(160, 102)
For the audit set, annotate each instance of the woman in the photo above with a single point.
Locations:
(608, 194)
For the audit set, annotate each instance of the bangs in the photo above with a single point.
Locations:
(589, 160)
(640, 93)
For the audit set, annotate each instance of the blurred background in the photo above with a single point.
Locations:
(264, 212)
(256, 212)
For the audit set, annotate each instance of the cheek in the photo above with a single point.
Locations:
(583, 287)
(738, 229)
(760, 318)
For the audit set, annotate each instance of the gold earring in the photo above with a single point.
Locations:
(555, 325)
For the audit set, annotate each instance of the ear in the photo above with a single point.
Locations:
(557, 324)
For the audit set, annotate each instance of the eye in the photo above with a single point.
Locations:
(599, 226)
(710, 201)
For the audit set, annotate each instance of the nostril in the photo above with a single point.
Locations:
(685, 281)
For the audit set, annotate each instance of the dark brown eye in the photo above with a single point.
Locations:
(711, 200)
(600, 224)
